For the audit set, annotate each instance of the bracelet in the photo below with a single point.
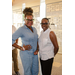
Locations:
(23, 48)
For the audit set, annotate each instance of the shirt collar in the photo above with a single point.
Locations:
(46, 30)
(27, 27)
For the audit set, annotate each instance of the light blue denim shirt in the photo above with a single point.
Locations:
(27, 36)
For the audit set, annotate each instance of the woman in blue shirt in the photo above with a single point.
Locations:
(29, 49)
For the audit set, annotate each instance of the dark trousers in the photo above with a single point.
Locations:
(46, 66)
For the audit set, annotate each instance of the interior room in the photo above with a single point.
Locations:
(41, 8)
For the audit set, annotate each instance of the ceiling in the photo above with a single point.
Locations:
(17, 4)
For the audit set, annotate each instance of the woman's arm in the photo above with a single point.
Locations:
(17, 46)
(54, 41)
(17, 41)
(15, 37)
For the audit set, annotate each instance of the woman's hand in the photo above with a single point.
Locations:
(36, 52)
(27, 47)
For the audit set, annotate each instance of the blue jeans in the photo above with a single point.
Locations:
(29, 62)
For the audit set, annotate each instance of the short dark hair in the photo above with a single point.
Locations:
(46, 19)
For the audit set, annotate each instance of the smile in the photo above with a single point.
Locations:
(43, 27)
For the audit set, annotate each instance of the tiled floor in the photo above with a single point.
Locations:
(57, 65)
(56, 69)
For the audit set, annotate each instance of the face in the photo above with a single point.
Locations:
(44, 24)
(29, 20)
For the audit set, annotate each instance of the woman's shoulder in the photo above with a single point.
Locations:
(21, 27)
(52, 34)
(51, 31)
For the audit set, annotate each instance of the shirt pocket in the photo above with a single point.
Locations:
(44, 42)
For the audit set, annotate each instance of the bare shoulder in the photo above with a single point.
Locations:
(52, 34)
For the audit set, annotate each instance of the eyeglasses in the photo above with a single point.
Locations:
(43, 23)
(30, 20)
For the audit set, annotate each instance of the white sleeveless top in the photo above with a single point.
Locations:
(46, 48)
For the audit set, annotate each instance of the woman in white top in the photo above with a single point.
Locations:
(48, 47)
